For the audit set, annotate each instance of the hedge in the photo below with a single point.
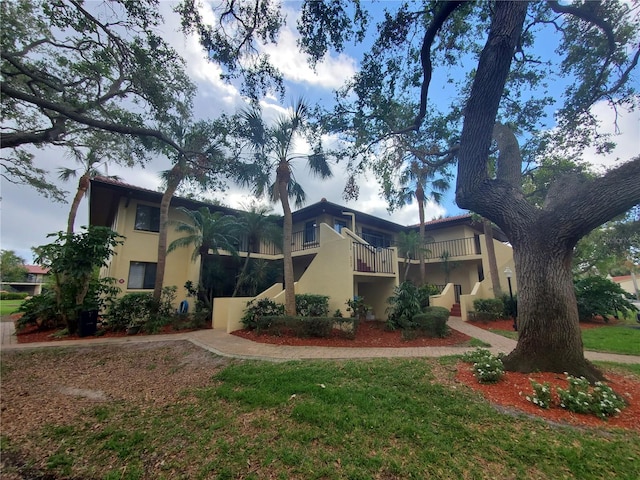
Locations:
(318, 327)
(431, 323)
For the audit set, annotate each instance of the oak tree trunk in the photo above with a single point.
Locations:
(543, 237)
(549, 331)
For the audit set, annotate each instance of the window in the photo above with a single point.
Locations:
(310, 232)
(147, 218)
(142, 275)
(339, 224)
(376, 238)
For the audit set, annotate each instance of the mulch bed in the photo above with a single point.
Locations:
(370, 334)
(32, 334)
(509, 393)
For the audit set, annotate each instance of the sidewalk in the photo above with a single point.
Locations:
(226, 345)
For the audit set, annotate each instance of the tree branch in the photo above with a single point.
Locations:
(73, 114)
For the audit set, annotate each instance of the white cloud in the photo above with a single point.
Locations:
(625, 131)
(331, 73)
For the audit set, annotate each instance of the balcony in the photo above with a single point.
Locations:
(368, 259)
(459, 247)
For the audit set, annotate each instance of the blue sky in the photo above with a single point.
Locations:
(26, 218)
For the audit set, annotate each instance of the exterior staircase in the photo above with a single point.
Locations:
(455, 310)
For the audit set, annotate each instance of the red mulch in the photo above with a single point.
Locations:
(370, 334)
(506, 393)
(32, 334)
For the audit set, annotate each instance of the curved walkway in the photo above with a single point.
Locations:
(227, 345)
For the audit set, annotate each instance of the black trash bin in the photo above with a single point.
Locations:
(88, 323)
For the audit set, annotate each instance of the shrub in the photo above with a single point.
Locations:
(580, 397)
(600, 296)
(487, 368)
(320, 327)
(13, 295)
(357, 307)
(432, 323)
(476, 355)
(131, 309)
(510, 309)
(424, 292)
(403, 306)
(601, 401)
(488, 309)
(310, 305)
(255, 310)
(541, 394)
(41, 311)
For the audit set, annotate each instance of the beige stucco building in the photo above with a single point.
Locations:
(337, 251)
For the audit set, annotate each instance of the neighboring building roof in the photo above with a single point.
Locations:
(623, 278)
(36, 270)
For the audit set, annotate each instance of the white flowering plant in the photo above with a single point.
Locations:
(579, 397)
(541, 394)
(488, 370)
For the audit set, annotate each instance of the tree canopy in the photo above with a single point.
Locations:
(70, 68)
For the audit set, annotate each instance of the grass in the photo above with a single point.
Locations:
(330, 420)
(7, 307)
(616, 339)
(620, 339)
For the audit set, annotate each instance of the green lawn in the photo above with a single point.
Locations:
(621, 339)
(617, 339)
(7, 307)
(387, 419)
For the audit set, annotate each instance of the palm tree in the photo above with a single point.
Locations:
(204, 166)
(205, 231)
(417, 177)
(409, 245)
(272, 149)
(257, 226)
(89, 168)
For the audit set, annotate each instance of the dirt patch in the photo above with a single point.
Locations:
(55, 385)
(370, 334)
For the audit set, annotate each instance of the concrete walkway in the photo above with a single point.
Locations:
(227, 345)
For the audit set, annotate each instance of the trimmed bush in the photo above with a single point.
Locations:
(318, 327)
(487, 309)
(310, 305)
(13, 295)
(130, 309)
(257, 309)
(432, 323)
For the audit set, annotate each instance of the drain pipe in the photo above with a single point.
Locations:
(353, 220)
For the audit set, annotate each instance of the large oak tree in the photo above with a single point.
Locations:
(505, 92)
